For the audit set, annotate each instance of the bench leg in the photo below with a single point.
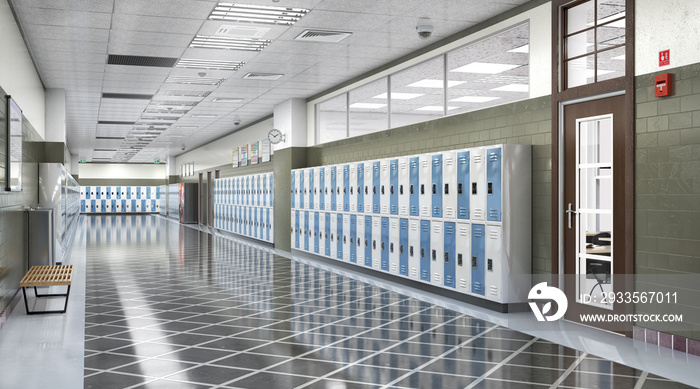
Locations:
(65, 306)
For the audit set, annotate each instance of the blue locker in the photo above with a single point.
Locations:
(254, 213)
(493, 184)
(385, 244)
(97, 193)
(271, 190)
(302, 188)
(113, 205)
(327, 235)
(403, 247)
(353, 232)
(334, 178)
(306, 230)
(360, 187)
(251, 226)
(123, 205)
(316, 231)
(339, 233)
(87, 193)
(297, 230)
(153, 205)
(346, 188)
(138, 193)
(394, 187)
(258, 190)
(82, 205)
(425, 250)
(103, 205)
(119, 192)
(463, 185)
(311, 189)
(321, 188)
(143, 205)
(92, 205)
(108, 193)
(413, 185)
(437, 185)
(264, 190)
(148, 193)
(368, 241)
(376, 186)
(478, 253)
(450, 233)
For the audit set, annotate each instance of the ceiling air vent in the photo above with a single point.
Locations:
(136, 60)
(322, 36)
(126, 96)
(263, 76)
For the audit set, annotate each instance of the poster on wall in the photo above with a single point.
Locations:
(265, 150)
(244, 155)
(234, 158)
(254, 153)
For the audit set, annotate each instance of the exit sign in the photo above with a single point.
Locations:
(82, 161)
(664, 58)
(156, 162)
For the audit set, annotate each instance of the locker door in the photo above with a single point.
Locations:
(367, 244)
(478, 252)
(449, 185)
(385, 251)
(261, 221)
(403, 247)
(263, 190)
(138, 193)
(414, 249)
(437, 253)
(297, 230)
(322, 190)
(378, 184)
(256, 221)
(403, 187)
(425, 180)
(424, 254)
(312, 174)
(92, 205)
(103, 205)
(494, 263)
(108, 192)
(85, 192)
(345, 190)
(493, 184)
(313, 232)
(259, 190)
(327, 235)
(414, 186)
(332, 189)
(394, 245)
(339, 231)
(294, 189)
(333, 241)
(449, 254)
(134, 207)
(124, 206)
(148, 193)
(98, 195)
(270, 225)
(270, 189)
(369, 184)
(376, 242)
(82, 205)
(463, 185)
(477, 173)
(321, 233)
(353, 238)
(303, 192)
(328, 188)
(306, 231)
(154, 206)
(360, 240)
(113, 205)
(436, 187)
(126, 192)
(143, 205)
(348, 237)
(360, 188)
(393, 189)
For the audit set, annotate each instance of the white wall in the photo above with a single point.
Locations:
(17, 74)
(121, 171)
(55, 106)
(540, 58)
(219, 152)
(664, 25)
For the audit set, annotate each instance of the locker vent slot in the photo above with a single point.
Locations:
(436, 277)
(493, 291)
(463, 284)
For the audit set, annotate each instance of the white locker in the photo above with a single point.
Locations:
(495, 272)
(394, 234)
(463, 251)
(477, 175)
(347, 241)
(340, 188)
(414, 249)
(353, 188)
(376, 242)
(449, 185)
(317, 188)
(322, 234)
(327, 189)
(298, 192)
(369, 174)
(305, 188)
(132, 192)
(360, 240)
(293, 229)
(271, 225)
(425, 185)
(404, 198)
(385, 186)
(437, 253)
(333, 239)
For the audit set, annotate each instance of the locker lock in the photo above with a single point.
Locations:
(447, 257)
(350, 190)
(459, 260)
(422, 252)
(434, 255)
(331, 237)
(489, 265)
(400, 248)
(391, 247)
(474, 264)
(459, 188)
(489, 189)
(374, 244)
(473, 188)
(366, 243)
(447, 189)
(434, 189)
(411, 189)
(422, 188)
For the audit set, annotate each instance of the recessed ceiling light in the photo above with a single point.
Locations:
(367, 105)
(399, 96)
(485, 68)
(226, 43)
(262, 14)
(521, 49)
(513, 88)
(242, 31)
(202, 115)
(195, 80)
(212, 64)
(475, 99)
(427, 83)
(263, 76)
(227, 100)
(185, 128)
(435, 108)
(184, 93)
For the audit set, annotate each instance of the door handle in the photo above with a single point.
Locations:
(569, 213)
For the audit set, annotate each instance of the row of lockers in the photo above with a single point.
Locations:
(120, 192)
(253, 222)
(255, 190)
(467, 257)
(460, 184)
(119, 206)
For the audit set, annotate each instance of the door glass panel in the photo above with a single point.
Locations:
(594, 188)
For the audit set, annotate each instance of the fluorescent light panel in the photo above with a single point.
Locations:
(521, 49)
(202, 115)
(367, 105)
(484, 68)
(475, 99)
(399, 96)
(212, 64)
(195, 80)
(261, 14)
(227, 100)
(428, 83)
(226, 43)
(513, 88)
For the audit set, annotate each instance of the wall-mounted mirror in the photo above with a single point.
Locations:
(13, 153)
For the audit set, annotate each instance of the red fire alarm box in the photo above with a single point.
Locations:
(662, 85)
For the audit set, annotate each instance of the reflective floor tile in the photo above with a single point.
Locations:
(168, 384)
(306, 367)
(335, 384)
(369, 374)
(234, 344)
(156, 368)
(108, 380)
(106, 361)
(527, 374)
(214, 375)
(194, 354)
(250, 361)
(270, 381)
(425, 380)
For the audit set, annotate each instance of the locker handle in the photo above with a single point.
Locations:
(459, 188)
(447, 189)
(474, 263)
(434, 255)
(366, 189)
(422, 252)
(422, 188)
(489, 188)
(489, 265)
(447, 257)
(459, 260)
(391, 189)
(473, 188)
(434, 189)
(359, 242)
(374, 190)
(401, 249)
(366, 243)
(391, 247)
(400, 189)
(374, 244)
(345, 239)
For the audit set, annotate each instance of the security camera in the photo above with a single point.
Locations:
(424, 31)
(183, 147)
(236, 122)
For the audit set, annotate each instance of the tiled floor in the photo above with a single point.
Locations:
(169, 306)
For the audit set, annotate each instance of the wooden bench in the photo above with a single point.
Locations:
(54, 275)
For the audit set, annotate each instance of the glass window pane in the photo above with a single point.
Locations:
(490, 72)
(417, 93)
(595, 142)
(580, 44)
(368, 108)
(331, 116)
(579, 71)
(610, 10)
(579, 17)
(611, 64)
(611, 35)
